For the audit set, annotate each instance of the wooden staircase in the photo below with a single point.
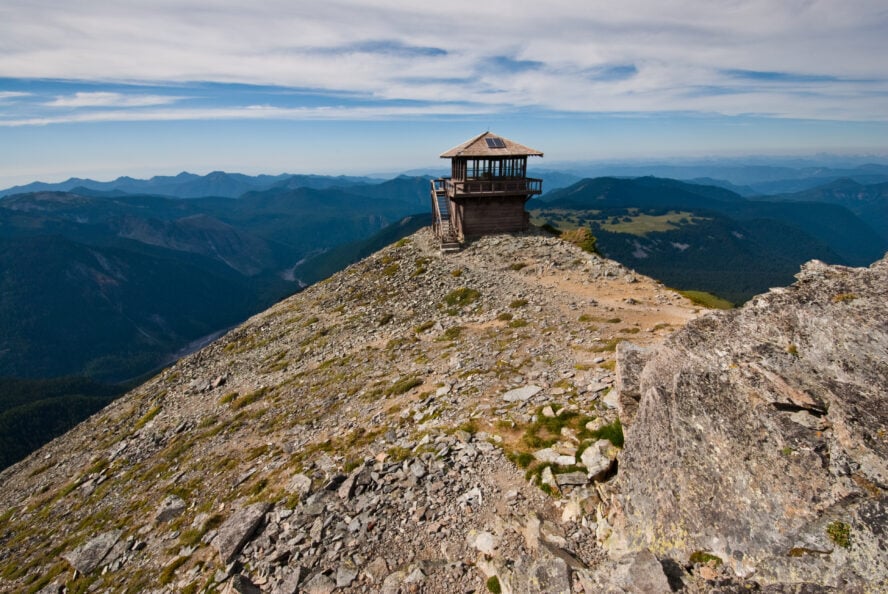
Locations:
(443, 225)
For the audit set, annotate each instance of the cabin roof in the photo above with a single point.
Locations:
(480, 147)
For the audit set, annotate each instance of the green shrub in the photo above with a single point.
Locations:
(583, 238)
(612, 432)
(461, 297)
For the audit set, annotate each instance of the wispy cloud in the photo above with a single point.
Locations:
(108, 99)
(794, 59)
(12, 95)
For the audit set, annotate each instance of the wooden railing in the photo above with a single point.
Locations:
(491, 187)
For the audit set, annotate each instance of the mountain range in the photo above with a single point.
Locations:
(111, 285)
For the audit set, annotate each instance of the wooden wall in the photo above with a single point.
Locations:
(479, 216)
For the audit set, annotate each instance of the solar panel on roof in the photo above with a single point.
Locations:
(495, 142)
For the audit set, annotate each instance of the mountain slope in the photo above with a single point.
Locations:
(702, 237)
(358, 409)
(869, 202)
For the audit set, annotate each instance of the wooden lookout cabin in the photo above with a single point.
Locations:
(486, 191)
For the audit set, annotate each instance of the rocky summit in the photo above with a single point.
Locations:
(422, 422)
(760, 440)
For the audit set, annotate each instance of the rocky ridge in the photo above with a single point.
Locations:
(430, 423)
(417, 422)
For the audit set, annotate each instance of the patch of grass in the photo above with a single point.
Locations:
(424, 326)
(610, 364)
(470, 426)
(707, 300)
(168, 572)
(518, 323)
(402, 242)
(403, 385)
(609, 346)
(390, 270)
(385, 319)
(398, 454)
(839, 533)
(704, 558)
(518, 303)
(228, 397)
(504, 317)
(248, 399)
(146, 418)
(792, 350)
(521, 459)
(461, 297)
(517, 266)
(493, 585)
(456, 273)
(451, 333)
(844, 298)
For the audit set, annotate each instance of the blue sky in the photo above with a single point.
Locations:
(100, 89)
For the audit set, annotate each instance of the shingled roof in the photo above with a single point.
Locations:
(479, 147)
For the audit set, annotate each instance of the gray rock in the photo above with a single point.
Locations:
(635, 573)
(484, 542)
(241, 584)
(346, 573)
(300, 484)
(376, 570)
(521, 394)
(171, 507)
(89, 556)
(319, 584)
(290, 582)
(552, 457)
(236, 530)
(540, 576)
(548, 478)
(716, 459)
(595, 460)
(571, 478)
(392, 583)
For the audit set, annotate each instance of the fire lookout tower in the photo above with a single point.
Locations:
(486, 191)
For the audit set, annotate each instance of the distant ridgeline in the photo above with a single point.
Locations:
(111, 280)
(707, 238)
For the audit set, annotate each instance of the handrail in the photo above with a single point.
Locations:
(527, 185)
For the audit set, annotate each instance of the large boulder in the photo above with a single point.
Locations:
(761, 436)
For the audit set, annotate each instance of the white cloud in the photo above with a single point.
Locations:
(108, 99)
(251, 112)
(683, 51)
(12, 95)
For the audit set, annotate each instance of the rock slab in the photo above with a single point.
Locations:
(719, 460)
(236, 530)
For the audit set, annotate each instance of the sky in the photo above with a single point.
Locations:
(102, 88)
